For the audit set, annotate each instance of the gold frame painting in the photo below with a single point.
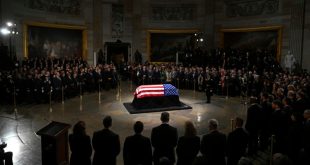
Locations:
(36, 31)
(168, 39)
(277, 29)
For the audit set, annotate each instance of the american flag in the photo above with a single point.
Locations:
(156, 91)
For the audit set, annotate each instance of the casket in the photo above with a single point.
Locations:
(156, 96)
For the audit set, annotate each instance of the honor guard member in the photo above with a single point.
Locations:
(57, 85)
(150, 75)
(200, 81)
(156, 76)
(209, 88)
(144, 75)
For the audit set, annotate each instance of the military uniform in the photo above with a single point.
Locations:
(209, 89)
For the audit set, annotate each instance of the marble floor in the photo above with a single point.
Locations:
(19, 131)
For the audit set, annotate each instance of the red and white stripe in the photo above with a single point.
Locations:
(149, 91)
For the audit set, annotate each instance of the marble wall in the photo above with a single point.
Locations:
(129, 20)
(21, 11)
(254, 13)
(143, 15)
(306, 37)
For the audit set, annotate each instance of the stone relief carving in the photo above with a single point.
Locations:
(117, 21)
(236, 8)
(175, 12)
(72, 7)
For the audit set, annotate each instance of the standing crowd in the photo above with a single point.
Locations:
(279, 106)
(165, 147)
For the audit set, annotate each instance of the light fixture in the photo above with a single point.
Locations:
(9, 24)
(5, 31)
(201, 39)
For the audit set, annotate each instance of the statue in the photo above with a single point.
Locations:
(138, 57)
(101, 57)
(289, 61)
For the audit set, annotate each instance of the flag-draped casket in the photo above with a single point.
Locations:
(155, 96)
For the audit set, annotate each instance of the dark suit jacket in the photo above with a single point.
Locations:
(107, 146)
(306, 137)
(213, 147)
(253, 121)
(187, 149)
(81, 149)
(164, 138)
(137, 150)
(237, 142)
(280, 123)
(266, 115)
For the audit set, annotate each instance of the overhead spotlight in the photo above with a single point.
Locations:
(201, 39)
(5, 31)
(16, 33)
(9, 24)
(13, 32)
(197, 40)
(195, 34)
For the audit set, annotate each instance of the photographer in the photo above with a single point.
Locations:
(5, 156)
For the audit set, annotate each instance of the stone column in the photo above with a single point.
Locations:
(209, 23)
(97, 25)
(306, 37)
(296, 29)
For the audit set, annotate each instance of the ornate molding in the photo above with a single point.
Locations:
(72, 7)
(173, 12)
(117, 21)
(236, 8)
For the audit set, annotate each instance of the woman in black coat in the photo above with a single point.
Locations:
(188, 145)
(80, 145)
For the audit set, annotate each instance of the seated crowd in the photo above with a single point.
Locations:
(213, 148)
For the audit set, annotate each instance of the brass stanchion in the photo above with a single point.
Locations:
(62, 95)
(227, 91)
(232, 124)
(131, 84)
(50, 98)
(271, 148)
(14, 101)
(194, 88)
(99, 92)
(120, 91)
(81, 97)
(81, 90)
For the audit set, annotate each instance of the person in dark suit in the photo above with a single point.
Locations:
(266, 115)
(137, 148)
(213, 145)
(253, 124)
(305, 156)
(164, 139)
(295, 137)
(80, 145)
(209, 89)
(188, 145)
(279, 126)
(106, 144)
(237, 142)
